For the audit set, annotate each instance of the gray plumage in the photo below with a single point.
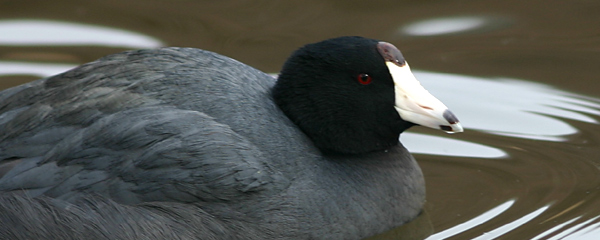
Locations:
(180, 143)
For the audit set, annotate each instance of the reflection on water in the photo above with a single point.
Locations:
(562, 233)
(515, 109)
(511, 226)
(484, 217)
(33, 69)
(53, 33)
(511, 107)
(452, 25)
(435, 145)
(505, 107)
(442, 26)
(581, 231)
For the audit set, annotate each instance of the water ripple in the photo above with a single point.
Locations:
(435, 145)
(511, 107)
(484, 217)
(26, 32)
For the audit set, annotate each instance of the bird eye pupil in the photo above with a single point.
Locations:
(364, 79)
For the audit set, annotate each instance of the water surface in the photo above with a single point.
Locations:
(521, 76)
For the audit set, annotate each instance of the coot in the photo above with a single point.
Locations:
(181, 143)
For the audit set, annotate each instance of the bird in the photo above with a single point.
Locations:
(184, 143)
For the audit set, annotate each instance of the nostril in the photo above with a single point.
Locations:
(426, 107)
(446, 128)
(449, 116)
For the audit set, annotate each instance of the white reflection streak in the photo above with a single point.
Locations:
(577, 232)
(433, 145)
(486, 216)
(52, 33)
(569, 111)
(444, 26)
(511, 107)
(511, 226)
(579, 100)
(551, 230)
(572, 103)
(36, 69)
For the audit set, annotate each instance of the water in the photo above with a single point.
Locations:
(521, 77)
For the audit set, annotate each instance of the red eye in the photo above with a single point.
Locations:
(364, 79)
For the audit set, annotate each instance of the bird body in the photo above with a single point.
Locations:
(184, 143)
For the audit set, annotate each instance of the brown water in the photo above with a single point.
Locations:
(521, 76)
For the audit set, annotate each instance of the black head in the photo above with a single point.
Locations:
(341, 94)
(356, 95)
